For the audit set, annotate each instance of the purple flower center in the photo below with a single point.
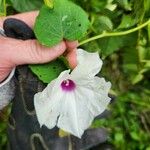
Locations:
(68, 85)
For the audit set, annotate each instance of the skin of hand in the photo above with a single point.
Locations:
(15, 52)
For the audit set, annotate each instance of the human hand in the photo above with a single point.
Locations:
(15, 52)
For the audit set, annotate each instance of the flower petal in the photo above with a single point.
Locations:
(83, 105)
(48, 102)
(41, 102)
(101, 99)
(89, 64)
(75, 117)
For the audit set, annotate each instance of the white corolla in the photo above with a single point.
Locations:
(74, 99)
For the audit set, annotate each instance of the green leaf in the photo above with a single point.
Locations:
(65, 21)
(98, 5)
(110, 5)
(139, 10)
(147, 5)
(144, 53)
(133, 64)
(147, 64)
(48, 72)
(127, 21)
(92, 47)
(111, 44)
(148, 29)
(130, 59)
(26, 5)
(148, 148)
(93, 5)
(118, 137)
(2, 8)
(135, 136)
(125, 4)
(102, 23)
(137, 78)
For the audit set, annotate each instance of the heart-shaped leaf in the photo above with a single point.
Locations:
(48, 72)
(65, 21)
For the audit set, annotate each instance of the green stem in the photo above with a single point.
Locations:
(3, 5)
(105, 34)
(49, 3)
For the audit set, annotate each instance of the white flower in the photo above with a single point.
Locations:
(73, 100)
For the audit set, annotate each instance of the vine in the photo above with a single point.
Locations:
(107, 34)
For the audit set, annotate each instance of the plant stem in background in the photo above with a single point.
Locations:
(2, 7)
(105, 34)
(49, 3)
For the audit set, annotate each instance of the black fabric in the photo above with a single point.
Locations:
(24, 131)
(17, 29)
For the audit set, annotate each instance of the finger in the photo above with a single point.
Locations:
(30, 51)
(28, 18)
(72, 58)
(4, 74)
(71, 45)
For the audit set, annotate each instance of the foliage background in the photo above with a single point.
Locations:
(126, 65)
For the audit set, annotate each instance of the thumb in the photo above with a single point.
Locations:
(30, 51)
(72, 58)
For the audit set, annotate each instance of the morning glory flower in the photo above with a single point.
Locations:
(74, 99)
